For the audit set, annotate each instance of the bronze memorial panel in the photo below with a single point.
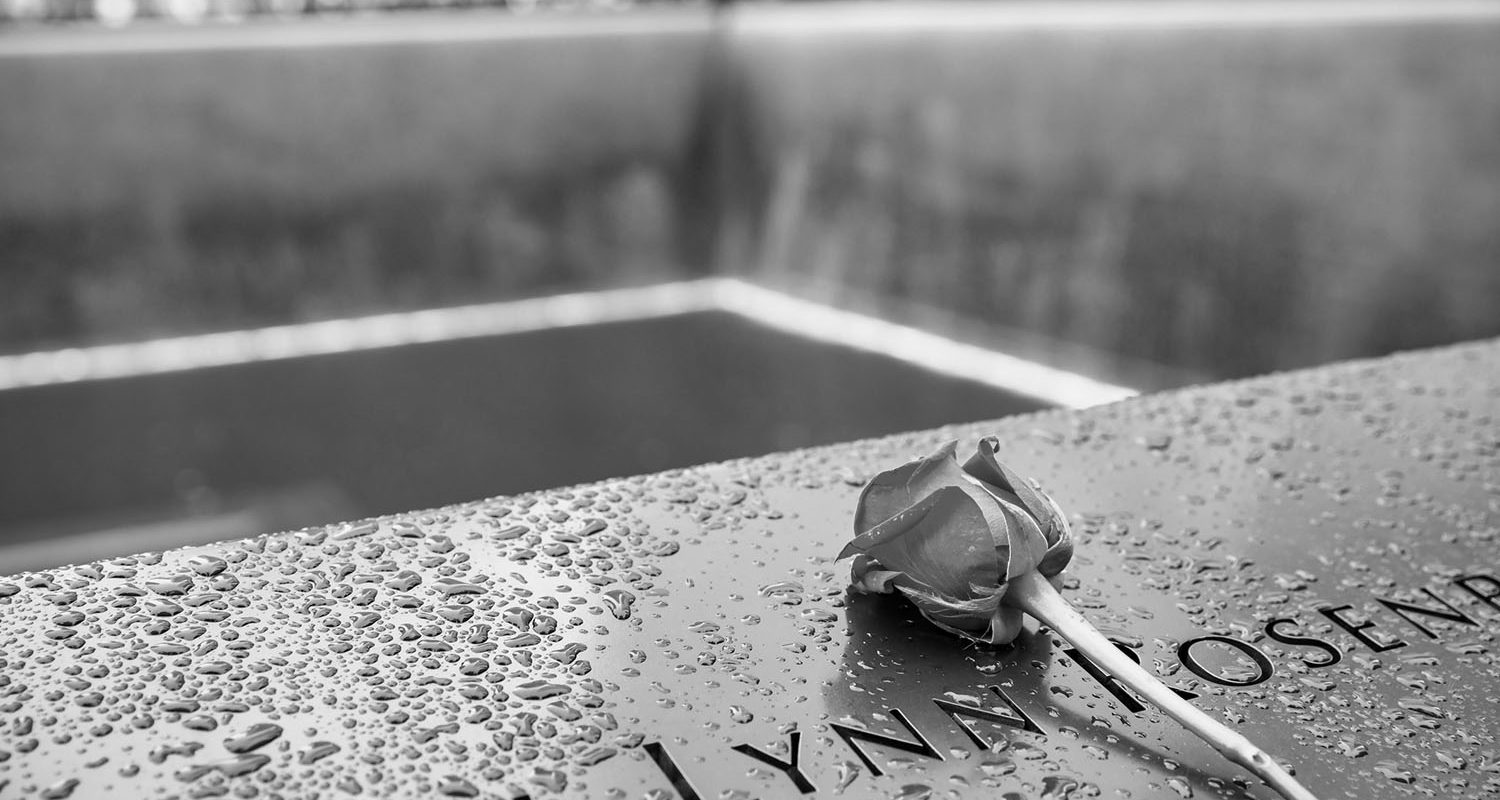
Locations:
(1310, 556)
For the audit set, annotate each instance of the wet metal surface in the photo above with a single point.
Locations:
(1312, 555)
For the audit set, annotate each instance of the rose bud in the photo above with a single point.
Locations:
(950, 539)
(978, 547)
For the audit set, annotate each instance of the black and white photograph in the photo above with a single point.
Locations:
(750, 399)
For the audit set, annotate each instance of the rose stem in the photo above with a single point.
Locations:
(1032, 593)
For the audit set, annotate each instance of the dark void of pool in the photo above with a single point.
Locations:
(165, 460)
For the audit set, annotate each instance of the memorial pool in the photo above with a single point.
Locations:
(199, 455)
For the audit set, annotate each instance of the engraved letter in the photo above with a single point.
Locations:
(1402, 610)
(920, 747)
(1488, 597)
(1356, 630)
(1263, 664)
(1334, 656)
(789, 766)
(1015, 719)
(664, 762)
(1126, 698)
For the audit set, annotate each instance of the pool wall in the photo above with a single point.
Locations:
(181, 180)
(1224, 188)
(1219, 189)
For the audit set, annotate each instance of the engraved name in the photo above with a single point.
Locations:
(1419, 615)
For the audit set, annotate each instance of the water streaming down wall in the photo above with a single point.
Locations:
(1226, 191)
(1221, 197)
(176, 181)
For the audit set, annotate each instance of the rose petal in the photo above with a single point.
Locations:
(895, 525)
(1027, 545)
(981, 620)
(1060, 552)
(868, 576)
(896, 490)
(967, 618)
(943, 542)
(899, 490)
(1057, 557)
(985, 466)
